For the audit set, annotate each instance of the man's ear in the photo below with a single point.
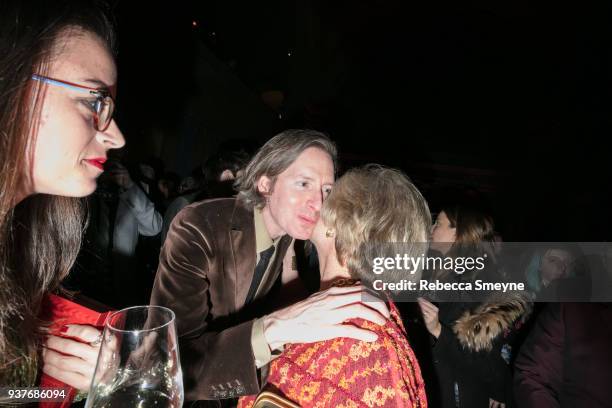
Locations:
(264, 185)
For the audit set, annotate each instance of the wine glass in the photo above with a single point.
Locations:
(138, 364)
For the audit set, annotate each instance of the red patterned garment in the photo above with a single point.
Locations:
(347, 373)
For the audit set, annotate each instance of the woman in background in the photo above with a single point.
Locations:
(57, 78)
(471, 335)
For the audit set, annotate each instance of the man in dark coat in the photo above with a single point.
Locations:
(566, 361)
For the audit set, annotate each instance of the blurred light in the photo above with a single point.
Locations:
(194, 23)
(213, 33)
(289, 53)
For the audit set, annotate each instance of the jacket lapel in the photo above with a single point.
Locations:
(242, 253)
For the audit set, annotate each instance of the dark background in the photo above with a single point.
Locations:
(508, 104)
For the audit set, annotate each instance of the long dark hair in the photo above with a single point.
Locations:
(472, 224)
(474, 236)
(41, 235)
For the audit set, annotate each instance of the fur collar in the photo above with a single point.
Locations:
(476, 329)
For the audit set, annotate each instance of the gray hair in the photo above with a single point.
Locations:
(370, 208)
(276, 156)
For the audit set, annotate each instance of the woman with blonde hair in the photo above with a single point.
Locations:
(57, 81)
(368, 209)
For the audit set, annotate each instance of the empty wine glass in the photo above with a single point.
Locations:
(138, 364)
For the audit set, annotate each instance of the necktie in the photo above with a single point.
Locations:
(260, 269)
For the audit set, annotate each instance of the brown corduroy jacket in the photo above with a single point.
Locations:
(205, 271)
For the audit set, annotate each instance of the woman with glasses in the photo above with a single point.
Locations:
(57, 77)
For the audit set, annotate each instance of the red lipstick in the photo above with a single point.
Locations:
(97, 162)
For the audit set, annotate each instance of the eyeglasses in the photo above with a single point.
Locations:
(102, 107)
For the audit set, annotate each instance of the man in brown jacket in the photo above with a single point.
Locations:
(222, 257)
